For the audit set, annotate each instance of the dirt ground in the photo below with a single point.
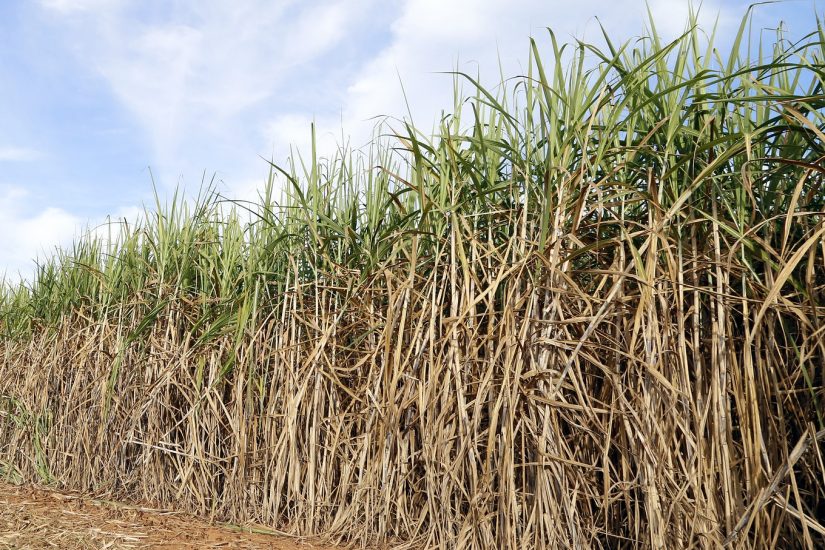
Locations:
(37, 518)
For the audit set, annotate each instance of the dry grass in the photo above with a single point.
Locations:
(594, 319)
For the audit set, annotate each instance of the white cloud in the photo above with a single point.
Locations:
(73, 6)
(479, 37)
(198, 78)
(34, 232)
(19, 154)
(497, 33)
(317, 29)
(30, 235)
(214, 84)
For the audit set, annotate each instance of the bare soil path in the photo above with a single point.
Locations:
(39, 518)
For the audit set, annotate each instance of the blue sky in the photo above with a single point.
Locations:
(94, 93)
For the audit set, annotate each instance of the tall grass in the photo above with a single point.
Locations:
(586, 312)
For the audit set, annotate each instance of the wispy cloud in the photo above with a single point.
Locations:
(198, 78)
(485, 38)
(19, 154)
(74, 6)
(215, 84)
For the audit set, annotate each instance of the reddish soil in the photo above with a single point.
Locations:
(38, 518)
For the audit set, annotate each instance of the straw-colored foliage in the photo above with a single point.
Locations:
(587, 312)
